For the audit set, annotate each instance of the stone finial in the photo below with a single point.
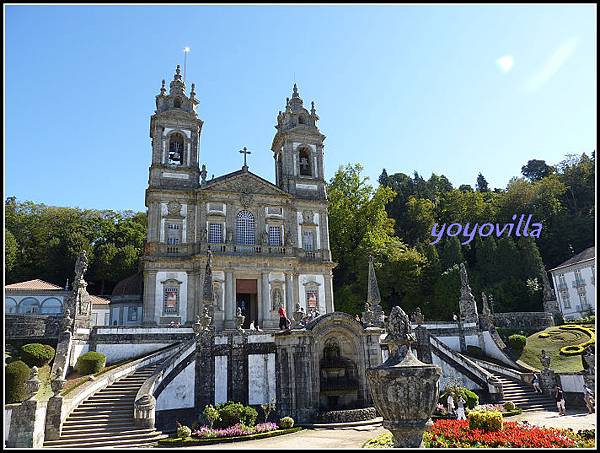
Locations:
(399, 329)
(67, 285)
(466, 303)
(295, 92)
(485, 308)
(177, 75)
(208, 296)
(163, 88)
(373, 296)
(313, 111)
(203, 174)
(193, 90)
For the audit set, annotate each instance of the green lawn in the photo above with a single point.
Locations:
(552, 344)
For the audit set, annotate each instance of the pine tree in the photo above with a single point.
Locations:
(482, 184)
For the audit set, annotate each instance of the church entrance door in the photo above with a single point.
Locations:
(246, 296)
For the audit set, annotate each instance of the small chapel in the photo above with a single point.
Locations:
(269, 242)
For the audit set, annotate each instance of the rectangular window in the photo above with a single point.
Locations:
(132, 314)
(583, 300)
(566, 300)
(275, 236)
(173, 233)
(307, 241)
(171, 298)
(215, 233)
(312, 299)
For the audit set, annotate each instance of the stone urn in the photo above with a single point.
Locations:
(405, 390)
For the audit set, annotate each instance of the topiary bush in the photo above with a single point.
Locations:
(517, 342)
(231, 413)
(509, 406)
(286, 423)
(475, 351)
(16, 374)
(90, 363)
(37, 354)
(183, 432)
(490, 421)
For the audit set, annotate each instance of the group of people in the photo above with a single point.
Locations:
(559, 396)
(457, 411)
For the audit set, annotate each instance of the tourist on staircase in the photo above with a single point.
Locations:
(284, 322)
(588, 397)
(560, 400)
(536, 384)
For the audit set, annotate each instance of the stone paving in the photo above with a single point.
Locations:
(575, 419)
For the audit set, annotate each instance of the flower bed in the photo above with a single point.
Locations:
(441, 413)
(456, 434)
(231, 434)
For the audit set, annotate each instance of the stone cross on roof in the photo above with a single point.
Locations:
(244, 151)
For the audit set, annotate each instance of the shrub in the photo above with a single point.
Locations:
(232, 414)
(36, 354)
(211, 414)
(16, 374)
(457, 391)
(509, 406)
(475, 351)
(286, 423)
(90, 363)
(183, 432)
(517, 342)
(490, 421)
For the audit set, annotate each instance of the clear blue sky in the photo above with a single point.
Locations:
(454, 90)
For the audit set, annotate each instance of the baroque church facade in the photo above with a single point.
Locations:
(268, 243)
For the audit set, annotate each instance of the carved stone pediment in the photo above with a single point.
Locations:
(244, 183)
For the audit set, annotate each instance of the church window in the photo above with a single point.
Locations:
(305, 167)
(173, 233)
(171, 299)
(177, 103)
(215, 233)
(176, 143)
(244, 228)
(275, 235)
(307, 240)
(312, 298)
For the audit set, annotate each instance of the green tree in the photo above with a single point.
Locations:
(536, 170)
(11, 249)
(482, 184)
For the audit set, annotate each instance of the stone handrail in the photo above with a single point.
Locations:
(515, 374)
(64, 405)
(494, 386)
(145, 402)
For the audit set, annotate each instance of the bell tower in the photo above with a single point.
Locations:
(298, 150)
(175, 132)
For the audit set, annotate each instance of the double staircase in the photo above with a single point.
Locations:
(524, 396)
(106, 418)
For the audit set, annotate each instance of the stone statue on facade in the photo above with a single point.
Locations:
(239, 319)
(229, 236)
(203, 236)
(203, 174)
(203, 322)
(264, 238)
(367, 316)
(545, 359)
(288, 239)
(81, 266)
(299, 316)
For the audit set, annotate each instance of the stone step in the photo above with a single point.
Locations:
(86, 435)
(120, 441)
(128, 412)
(98, 417)
(111, 399)
(97, 424)
(106, 404)
(98, 427)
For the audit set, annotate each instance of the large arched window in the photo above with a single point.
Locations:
(176, 144)
(10, 305)
(29, 306)
(51, 306)
(304, 158)
(244, 228)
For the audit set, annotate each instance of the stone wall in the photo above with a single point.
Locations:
(535, 320)
(34, 327)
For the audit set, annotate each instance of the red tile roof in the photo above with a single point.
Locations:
(96, 300)
(36, 284)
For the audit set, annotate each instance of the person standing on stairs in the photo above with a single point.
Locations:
(536, 384)
(560, 400)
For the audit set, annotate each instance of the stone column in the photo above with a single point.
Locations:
(229, 300)
(239, 369)
(329, 308)
(265, 301)
(289, 294)
(296, 290)
(205, 370)
(149, 304)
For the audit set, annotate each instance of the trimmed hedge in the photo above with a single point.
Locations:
(475, 351)
(17, 373)
(90, 363)
(37, 354)
(490, 421)
(231, 414)
(517, 342)
(469, 396)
